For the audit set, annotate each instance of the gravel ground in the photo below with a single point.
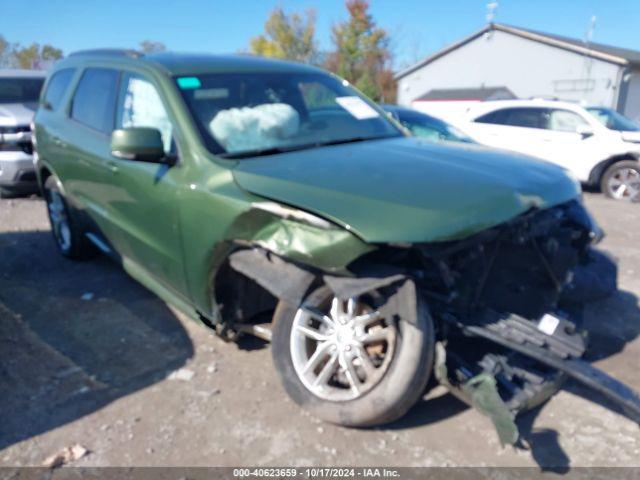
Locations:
(88, 356)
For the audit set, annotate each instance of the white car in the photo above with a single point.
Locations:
(598, 145)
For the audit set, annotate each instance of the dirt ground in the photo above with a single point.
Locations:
(89, 356)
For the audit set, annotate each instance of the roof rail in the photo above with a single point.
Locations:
(109, 52)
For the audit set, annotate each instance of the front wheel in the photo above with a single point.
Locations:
(621, 181)
(358, 362)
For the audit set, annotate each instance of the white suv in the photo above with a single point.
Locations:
(599, 146)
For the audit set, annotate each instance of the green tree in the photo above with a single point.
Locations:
(27, 57)
(362, 54)
(34, 56)
(50, 53)
(290, 37)
(151, 46)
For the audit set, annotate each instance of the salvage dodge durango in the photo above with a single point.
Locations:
(272, 198)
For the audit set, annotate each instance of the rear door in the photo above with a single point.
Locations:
(85, 142)
(143, 196)
(520, 129)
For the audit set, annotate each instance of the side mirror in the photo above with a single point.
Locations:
(585, 131)
(138, 143)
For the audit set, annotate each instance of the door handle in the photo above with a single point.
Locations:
(112, 167)
(57, 141)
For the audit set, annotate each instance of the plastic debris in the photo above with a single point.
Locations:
(66, 455)
(182, 374)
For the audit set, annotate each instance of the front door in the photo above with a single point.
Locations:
(144, 196)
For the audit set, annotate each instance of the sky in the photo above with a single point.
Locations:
(417, 27)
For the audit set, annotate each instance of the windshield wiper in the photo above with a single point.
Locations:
(257, 153)
(293, 148)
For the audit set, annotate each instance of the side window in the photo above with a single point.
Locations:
(139, 105)
(95, 99)
(565, 121)
(527, 117)
(516, 117)
(497, 117)
(57, 87)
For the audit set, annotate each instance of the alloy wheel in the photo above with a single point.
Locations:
(343, 350)
(624, 184)
(59, 220)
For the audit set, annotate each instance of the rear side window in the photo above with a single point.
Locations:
(95, 99)
(517, 117)
(56, 88)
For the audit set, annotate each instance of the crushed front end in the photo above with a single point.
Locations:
(508, 304)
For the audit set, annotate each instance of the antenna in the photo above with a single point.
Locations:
(491, 14)
(491, 11)
(589, 35)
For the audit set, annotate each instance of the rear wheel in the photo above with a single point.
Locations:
(621, 181)
(69, 239)
(358, 362)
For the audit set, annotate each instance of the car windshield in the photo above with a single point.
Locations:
(248, 114)
(431, 128)
(20, 90)
(613, 120)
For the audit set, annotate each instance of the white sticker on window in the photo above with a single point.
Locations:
(548, 324)
(357, 107)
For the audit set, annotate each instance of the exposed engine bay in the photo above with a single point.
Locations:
(507, 305)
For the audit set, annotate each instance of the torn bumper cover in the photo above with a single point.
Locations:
(507, 305)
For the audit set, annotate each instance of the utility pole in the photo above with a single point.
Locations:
(588, 61)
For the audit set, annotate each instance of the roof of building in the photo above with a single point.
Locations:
(480, 94)
(607, 53)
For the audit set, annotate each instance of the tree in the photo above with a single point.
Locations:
(289, 37)
(151, 46)
(5, 52)
(27, 57)
(34, 56)
(50, 53)
(362, 54)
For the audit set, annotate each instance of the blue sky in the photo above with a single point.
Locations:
(418, 27)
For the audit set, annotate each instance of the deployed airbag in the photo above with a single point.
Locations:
(255, 128)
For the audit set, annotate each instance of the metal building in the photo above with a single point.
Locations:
(524, 63)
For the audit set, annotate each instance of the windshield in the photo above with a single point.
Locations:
(20, 90)
(244, 114)
(430, 128)
(613, 120)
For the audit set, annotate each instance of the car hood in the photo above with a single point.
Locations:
(407, 189)
(13, 114)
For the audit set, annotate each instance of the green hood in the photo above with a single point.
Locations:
(406, 189)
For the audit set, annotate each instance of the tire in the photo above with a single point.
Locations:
(624, 172)
(402, 381)
(68, 237)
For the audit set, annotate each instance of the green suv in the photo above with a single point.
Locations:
(272, 198)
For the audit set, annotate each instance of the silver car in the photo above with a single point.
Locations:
(19, 93)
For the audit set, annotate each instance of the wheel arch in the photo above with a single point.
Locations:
(598, 171)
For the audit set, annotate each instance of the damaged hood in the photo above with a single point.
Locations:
(407, 189)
